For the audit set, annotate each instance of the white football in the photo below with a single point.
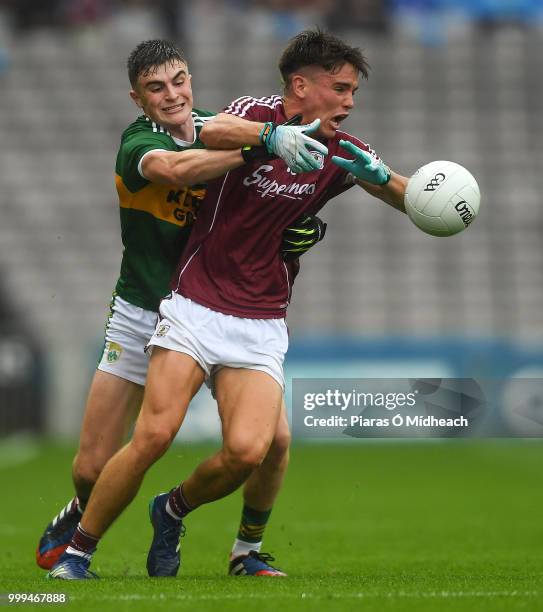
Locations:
(442, 198)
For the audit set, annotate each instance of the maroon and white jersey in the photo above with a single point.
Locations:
(232, 262)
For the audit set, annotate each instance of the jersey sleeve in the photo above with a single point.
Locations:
(198, 113)
(253, 109)
(133, 148)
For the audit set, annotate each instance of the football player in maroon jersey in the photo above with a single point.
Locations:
(224, 321)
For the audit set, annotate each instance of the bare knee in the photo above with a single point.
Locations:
(278, 454)
(241, 459)
(152, 442)
(86, 468)
(280, 445)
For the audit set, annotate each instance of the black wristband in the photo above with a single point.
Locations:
(251, 154)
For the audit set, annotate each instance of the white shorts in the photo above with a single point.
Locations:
(128, 330)
(216, 340)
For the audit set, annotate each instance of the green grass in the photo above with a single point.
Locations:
(373, 526)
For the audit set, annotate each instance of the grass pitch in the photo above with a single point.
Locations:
(372, 526)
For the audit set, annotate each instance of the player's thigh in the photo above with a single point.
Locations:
(112, 406)
(172, 381)
(117, 388)
(249, 406)
(282, 437)
(283, 427)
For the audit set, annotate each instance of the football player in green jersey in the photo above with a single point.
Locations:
(161, 171)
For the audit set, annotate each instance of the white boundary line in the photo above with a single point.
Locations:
(358, 595)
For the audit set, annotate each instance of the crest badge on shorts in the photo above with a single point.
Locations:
(162, 330)
(113, 352)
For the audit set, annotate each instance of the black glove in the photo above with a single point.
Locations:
(255, 153)
(303, 234)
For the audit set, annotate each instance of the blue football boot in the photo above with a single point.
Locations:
(164, 557)
(72, 567)
(253, 564)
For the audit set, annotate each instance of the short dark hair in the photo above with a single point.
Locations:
(150, 54)
(318, 48)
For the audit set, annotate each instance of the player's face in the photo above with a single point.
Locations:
(329, 96)
(165, 95)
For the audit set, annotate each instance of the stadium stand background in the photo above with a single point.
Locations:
(445, 84)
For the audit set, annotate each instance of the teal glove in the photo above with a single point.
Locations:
(291, 143)
(364, 166)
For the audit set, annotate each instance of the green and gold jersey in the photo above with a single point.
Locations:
(156, 220)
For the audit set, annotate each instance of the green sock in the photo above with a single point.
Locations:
(253, 523)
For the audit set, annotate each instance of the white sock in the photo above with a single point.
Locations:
(244, 548)
(171, 512)
(78, 553)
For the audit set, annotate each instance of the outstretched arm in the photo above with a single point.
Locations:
(184, 168)
(392, 193)
(373, 175)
